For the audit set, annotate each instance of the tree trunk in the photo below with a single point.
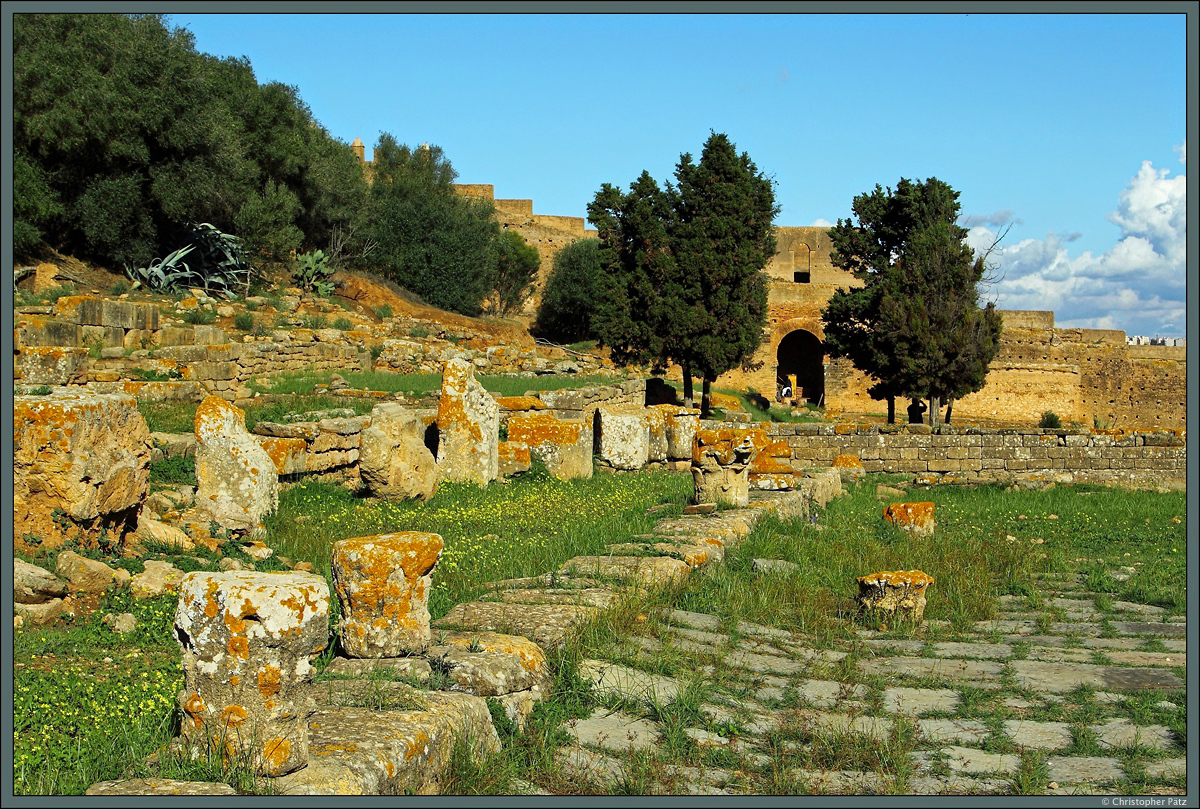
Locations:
(687, 385)
(705, 399)
(935, 408)
(949, 408)
(891, 410)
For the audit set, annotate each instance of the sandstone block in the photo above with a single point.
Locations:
(394, 462)
(916, 519)
(51, 365)
(163, 534)
(83, 575)
(513, 458)
(489, 664)
(237, 484)
(468, 422)
(248, 639)
(564, 446)
(155, 579)
(624, 436)
(79, 455)
(900, 592)
(383, 585)
(288, 455)
(35, 585)
(681, 424)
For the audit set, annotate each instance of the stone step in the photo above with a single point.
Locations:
(547, 625)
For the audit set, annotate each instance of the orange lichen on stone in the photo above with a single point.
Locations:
(847, 461)
(275, 752)
(536, 429)
(416, 745)
(238, 646)
(898, 578)
(514, 451)
(268, 681)
(517, 403)
(233, 716)
(909, 514)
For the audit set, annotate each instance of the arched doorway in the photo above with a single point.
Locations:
(800, 365)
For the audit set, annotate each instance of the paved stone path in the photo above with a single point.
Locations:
(1051, 694)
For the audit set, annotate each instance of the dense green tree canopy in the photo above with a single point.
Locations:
(915, 325)
(123, 134)
(565, 312)
(516, 270)
(429, 239)
(682, 276)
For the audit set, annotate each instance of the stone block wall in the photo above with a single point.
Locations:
(1085, 456)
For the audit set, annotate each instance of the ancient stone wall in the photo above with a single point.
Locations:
(1095, 456)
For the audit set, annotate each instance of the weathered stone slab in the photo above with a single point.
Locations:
(1091, 770)
(947, 668)
(613, 678)
(844, 782)
(490, 664)
(584, 767)
(826, 694)
(159, 786)
(961, 731)
(247, 640)
(1058, 678)
(1043, 735)
(1123, 733)
(967, 759)
(917, 701)
(1141, 609)
(564, 446)
(624, 437)
(613, 730)
(468, 422)
(406, 749)
(1151, 629)
(986, 651)
(646, 571)
(957, 785)
(415, 668)
(51, 365)
(546, 625)
(383, 584)
(86, 456)
(873, 727)
(590, 597)
(237, 484)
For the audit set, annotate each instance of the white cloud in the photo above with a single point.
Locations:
(1137, 285)
(821, 223)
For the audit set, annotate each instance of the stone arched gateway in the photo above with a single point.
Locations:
(800, 364)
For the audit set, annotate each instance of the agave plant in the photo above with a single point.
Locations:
(222, 259)
(311, 272)
(165, 274)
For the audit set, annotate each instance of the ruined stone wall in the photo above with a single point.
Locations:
(1095, 456)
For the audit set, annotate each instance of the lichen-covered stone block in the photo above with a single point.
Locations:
(624, 437)
(51, 365)
(899, 592)
(394, 462)
(237, 482)
(916, 519)
(563, 445)
(383, 585)
(468, 422)
(248, 640)
(82, 456)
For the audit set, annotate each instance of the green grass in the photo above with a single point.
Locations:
(528, 527)
(419, 384)
(79, 719)
(174, 470)
(49, 295)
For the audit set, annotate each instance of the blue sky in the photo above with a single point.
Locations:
(1069, 127)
